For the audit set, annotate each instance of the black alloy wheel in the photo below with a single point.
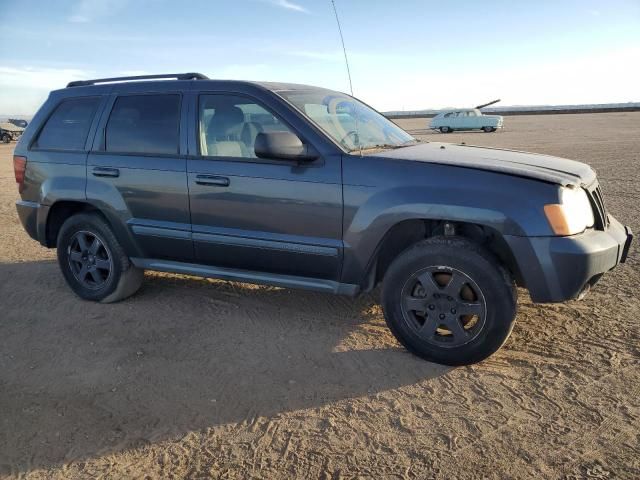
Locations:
(449, 300)
(89, 260)
(443, 306)
(93, 262)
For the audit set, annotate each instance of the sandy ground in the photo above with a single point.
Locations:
(196, 378)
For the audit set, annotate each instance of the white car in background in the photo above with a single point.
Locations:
(465, 119)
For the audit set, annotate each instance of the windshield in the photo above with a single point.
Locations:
(349, 122)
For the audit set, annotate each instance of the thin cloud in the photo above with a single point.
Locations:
(286, 4)
(39, 77)
(336, 56)
(24, 88)
(86, 11)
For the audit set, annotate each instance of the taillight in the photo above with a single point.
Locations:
(19, 167)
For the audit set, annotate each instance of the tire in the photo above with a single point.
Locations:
(445, 130)
(6, 138)
(425, 316)
(98, 271)
(488, 129)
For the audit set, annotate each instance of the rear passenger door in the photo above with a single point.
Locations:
(451, 119)
(275, 216)
(137, 173)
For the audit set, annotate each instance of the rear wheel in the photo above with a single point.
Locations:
(6, 138)
(445, 129)
(449, 301)
(93, 262)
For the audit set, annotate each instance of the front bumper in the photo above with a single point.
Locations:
(555, 269)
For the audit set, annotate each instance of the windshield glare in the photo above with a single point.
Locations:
(348, 121)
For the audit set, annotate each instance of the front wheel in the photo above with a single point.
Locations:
(488, 129)
(449, 301)
(6, 138)
(93, 262)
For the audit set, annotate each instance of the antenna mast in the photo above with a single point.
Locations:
(346, 61)
(344, 50)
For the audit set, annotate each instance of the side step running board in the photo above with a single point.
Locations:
(247, 276)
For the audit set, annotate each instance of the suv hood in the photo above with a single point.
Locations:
(512, 162)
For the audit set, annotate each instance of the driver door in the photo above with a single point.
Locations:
(275, 216)
(473, 121)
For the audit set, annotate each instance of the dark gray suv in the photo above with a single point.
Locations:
(299, 186)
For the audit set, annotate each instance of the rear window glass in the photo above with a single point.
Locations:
(68, 126)
(144, 124)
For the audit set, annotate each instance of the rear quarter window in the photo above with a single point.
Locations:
(147, 124)
(68, 125)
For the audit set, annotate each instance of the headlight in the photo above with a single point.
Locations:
(572, 215)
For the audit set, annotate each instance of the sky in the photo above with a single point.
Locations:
(403, 54)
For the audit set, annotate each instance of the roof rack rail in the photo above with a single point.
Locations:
(176, 76)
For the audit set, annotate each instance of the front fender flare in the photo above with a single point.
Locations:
(382, 210)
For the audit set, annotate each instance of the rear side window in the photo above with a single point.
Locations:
(68, 126)
(144, 124)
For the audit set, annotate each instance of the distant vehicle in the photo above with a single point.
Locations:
(8, 132)
(298, 186)
(18, 122)
(467, 119)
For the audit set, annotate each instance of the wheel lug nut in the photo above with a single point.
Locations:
(431, 307)
(442, 316)
(453, 310)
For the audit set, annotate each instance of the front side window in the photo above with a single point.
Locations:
(229, 125)
(349, 122)
(148, 124)
(68, 126)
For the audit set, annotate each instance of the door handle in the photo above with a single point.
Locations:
(105, 172)
(213, 180)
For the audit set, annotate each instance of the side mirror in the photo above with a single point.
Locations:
(283, 146)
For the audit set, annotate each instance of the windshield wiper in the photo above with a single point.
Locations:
(382, 146)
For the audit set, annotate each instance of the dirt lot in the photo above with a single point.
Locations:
(196, 378)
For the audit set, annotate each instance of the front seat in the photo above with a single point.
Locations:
(225, 131)
(250, 131)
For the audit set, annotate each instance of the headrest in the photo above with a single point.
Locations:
(226, 117)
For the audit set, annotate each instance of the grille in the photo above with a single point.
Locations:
(597, 204)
